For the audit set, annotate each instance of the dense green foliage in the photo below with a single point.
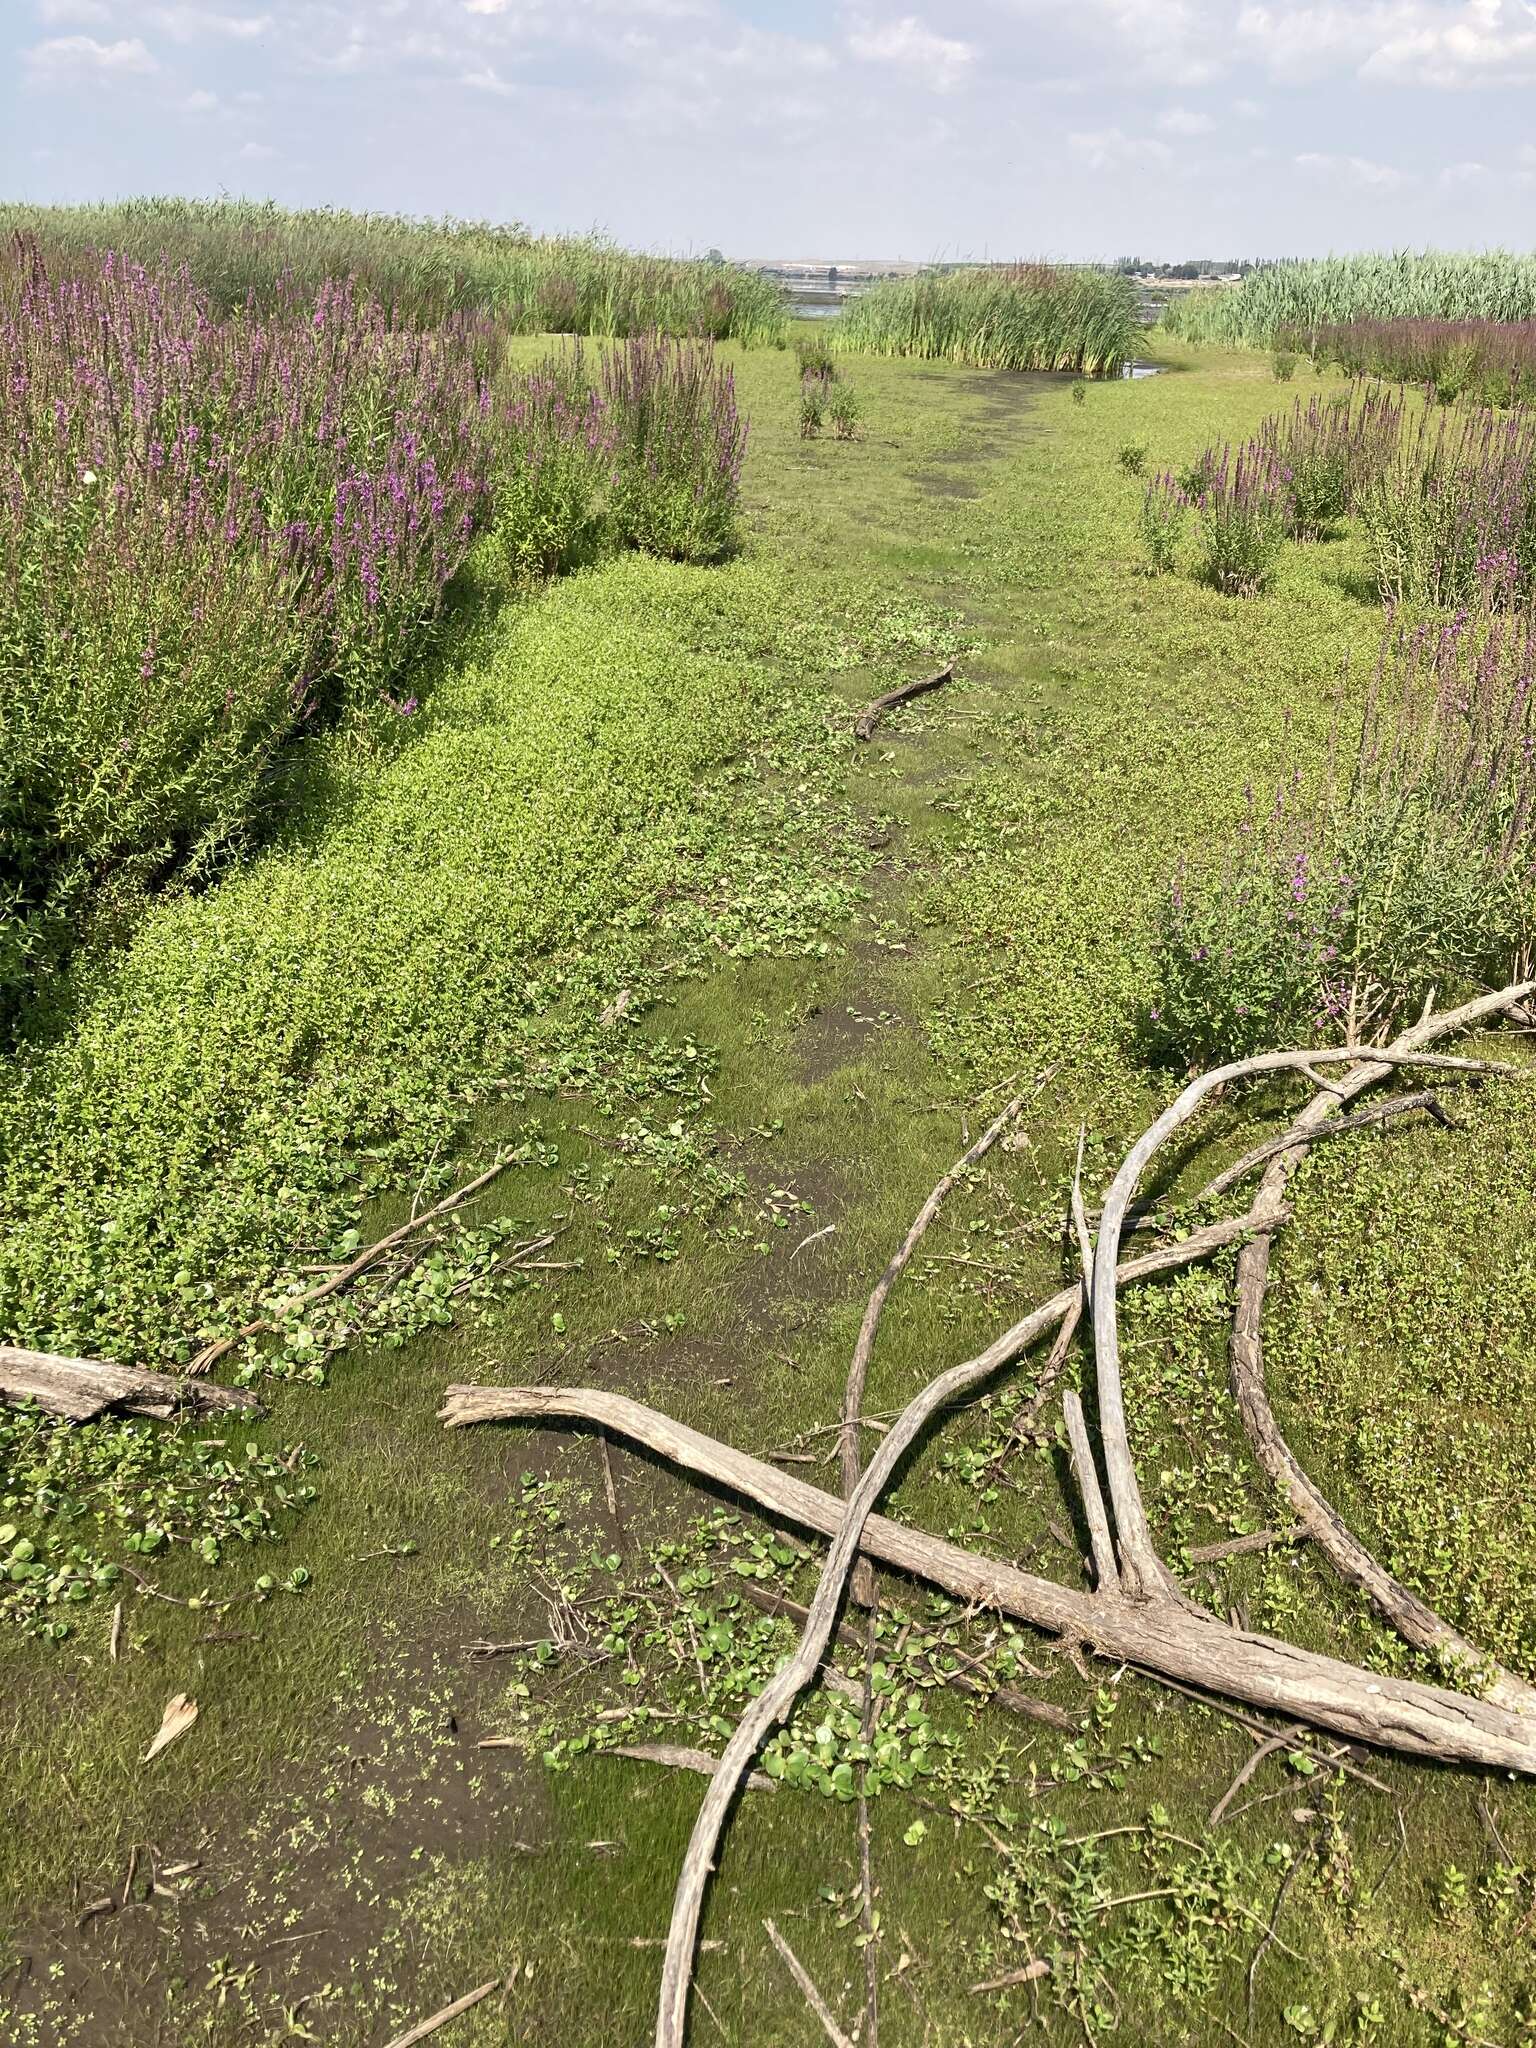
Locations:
(1021, 316)
(1293, 298)
(424, 270)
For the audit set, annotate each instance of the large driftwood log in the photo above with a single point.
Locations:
(1415, 1622)
(1164, 1636)
(81, 1388)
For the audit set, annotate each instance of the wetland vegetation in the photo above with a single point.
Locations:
(561, 858)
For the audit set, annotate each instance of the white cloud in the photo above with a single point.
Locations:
(1249, 110)
(1111, 149)
(73, 10)
(186, 23)
(487, 79)
(1462, 174)
(1357, 171)
(939, 61)
(1181, 121)
(76, 56)
(200, 102)
(256, 152)
(1437, 43)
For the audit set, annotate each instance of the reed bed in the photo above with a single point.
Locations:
(1020, 316)
(1294, 298)
(421, 271)
(1493, 361)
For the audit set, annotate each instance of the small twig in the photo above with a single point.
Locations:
(1265, 1749)
(864, 725)
(808, 1991)
(449, 2012)
(1030, 1974)
(611, 1492)
(815, 1238)
(868, 1717)
(1244, 1546)
(1270, 1936)
(264, 1325)
(679, 1757)
(115, 1640)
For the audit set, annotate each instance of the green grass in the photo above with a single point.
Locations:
(426, 269)
(1021, 823)
(1025, 316)
(1406, 284)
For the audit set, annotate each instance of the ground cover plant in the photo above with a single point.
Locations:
(1021, 820)
(423, 271)
(1488, 360)
(1018, 316)
(1278, 300)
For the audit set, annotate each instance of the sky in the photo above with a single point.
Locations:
(973, 128)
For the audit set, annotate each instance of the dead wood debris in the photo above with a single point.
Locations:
(864, 725)
(808, 1991)
(1140, 1617)
(82, 1388)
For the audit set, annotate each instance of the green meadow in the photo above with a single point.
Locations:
(625, 904)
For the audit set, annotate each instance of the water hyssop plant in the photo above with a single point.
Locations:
(1017, 316)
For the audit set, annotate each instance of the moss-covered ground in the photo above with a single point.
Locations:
(837, 961)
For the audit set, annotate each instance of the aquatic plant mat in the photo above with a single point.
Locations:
(1137, 1613)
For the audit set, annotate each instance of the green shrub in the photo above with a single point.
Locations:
(813, 411)
(1132, 457)
(678, 447)
(1164, 508)
(1283, 365)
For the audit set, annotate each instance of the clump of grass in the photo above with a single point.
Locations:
(239, 251)
(1280, 299)
(1415, 870)
(1132, 457)
(843, 411)
(1164, 509)
(1283, 365)
(813, 409)
(1079, 393)
(1019, 316)
(815, 358)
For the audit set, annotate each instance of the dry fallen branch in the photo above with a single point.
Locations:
(858, 1368)
(678, 1757)
(449, 2012)
(1167, 1638)
(864, 725)
(345, 1275)
(808, 1991)
(81, 1388)
(1415, 1622)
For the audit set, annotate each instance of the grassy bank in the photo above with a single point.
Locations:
(423, 270)
(653, 751)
